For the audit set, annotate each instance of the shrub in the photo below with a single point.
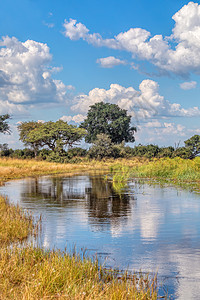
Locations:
(5, 151)
(77, 151)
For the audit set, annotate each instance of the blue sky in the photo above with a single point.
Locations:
(59, 57)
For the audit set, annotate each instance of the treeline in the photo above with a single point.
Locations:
(104, 148)
(107, 127)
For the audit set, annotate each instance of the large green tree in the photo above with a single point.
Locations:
(193, 144)
(4, 127)
(54, 135)
(109, 119)
(24, 130)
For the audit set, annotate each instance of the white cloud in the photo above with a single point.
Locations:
(110, 62)
(74, 30)
(178, 53)
(26, 75)
(77, 118)
(70, 87)
(145, 103)
(165, 133)
(188, 85)
(49, 25)
(8, 108)
(153, 124)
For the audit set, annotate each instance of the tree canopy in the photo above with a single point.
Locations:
(4, 127)
(193, 144)
(24, 129)
(109, 119)
(54, 135)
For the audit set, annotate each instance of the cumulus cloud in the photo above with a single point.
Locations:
(77, 118)
(188, 85)
(144, 103)
(9, 108)
(178, 53)
(110, 62)
(156, 132)
(26, 75)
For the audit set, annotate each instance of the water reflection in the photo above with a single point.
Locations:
(145, 227)
(94, 193)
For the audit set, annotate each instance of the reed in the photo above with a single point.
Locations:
(33, 273)
(15, 225)
(177, 169)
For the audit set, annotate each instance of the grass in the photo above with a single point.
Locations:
(18, 168)
(176, 170)
(32, 273)
(15, 225)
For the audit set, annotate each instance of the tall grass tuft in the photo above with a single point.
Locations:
(171, 168)
(14, 223)
(33, 273)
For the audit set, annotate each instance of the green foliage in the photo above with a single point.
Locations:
(77, 151)
(4, 127)
(109, 119)
(148, 151)
(24, 130)
(5, 151)
(193, 144)
(54, 135)
(44, 153)
(22, 153)
(166, 152)
(102, 147)
(183, 152)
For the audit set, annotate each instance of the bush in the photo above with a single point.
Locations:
(77, 151)
(102, 147)
(166, 152)
(148, 151)
(44, 154)
(5, 151)
(183, 152)
(23, 153)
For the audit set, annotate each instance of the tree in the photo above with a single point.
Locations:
(55, 135)
(4, 127)
(193, 144)
(109, 119)
(24, 130)
(102, 147)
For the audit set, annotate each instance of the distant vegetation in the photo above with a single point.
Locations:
(104, 148)
(107, 127)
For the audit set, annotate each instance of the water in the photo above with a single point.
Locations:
(147, 227)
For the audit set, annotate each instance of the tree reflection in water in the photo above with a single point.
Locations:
(91, 193)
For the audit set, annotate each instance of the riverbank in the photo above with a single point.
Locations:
(176, 170)
(18, 168)
(15, 225)
(33, 273)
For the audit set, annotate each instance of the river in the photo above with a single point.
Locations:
(146, 227)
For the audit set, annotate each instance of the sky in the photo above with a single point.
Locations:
(57, 58)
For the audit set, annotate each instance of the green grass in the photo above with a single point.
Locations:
(176, 170)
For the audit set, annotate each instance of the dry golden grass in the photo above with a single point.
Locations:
(31, 273)
(17, 168)
(14, 224)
